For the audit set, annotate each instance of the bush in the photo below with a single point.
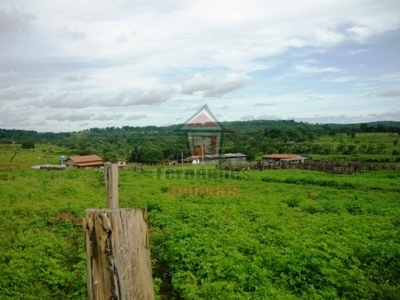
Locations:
(293, 202)
(28, 145)
(354, 209)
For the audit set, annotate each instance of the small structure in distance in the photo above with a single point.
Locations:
(274, 158)
(216, 158)
(121, 163)
(84, 162)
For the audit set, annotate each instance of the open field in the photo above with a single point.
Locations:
(25, 158)
(285, 234)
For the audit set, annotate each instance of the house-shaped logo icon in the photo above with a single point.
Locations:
(203, 132)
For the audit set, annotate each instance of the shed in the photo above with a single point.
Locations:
(272, 158)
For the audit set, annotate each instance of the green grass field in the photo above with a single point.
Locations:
(284, 234)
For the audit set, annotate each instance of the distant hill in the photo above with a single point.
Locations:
(237, 126)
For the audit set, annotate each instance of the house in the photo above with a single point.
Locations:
(277, 158)
(84, 162)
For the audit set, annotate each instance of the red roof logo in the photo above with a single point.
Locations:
(202, 120)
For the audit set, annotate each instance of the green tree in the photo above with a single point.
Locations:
(148, 154)
(28, 145)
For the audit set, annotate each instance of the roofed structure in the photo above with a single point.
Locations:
(85, 161)
(283, 157)
(226, 157)
(216, 158)
(194, 159)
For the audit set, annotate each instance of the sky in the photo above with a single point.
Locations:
(69, 65)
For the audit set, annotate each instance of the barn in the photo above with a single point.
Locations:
(84, 162)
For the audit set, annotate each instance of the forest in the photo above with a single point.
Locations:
(155, 145)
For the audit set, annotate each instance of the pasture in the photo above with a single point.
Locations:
(286, 234)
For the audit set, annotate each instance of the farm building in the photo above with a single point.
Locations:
(276, 158)
(226, 158)
(83, 162)
(216, 158)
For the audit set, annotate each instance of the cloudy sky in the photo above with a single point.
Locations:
(70, 65)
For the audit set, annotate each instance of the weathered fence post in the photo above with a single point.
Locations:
(117, 249)
(111, 182)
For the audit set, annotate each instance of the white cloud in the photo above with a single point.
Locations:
(14, 93)
(135, 117)
(64, 100)
(357, 51)
(75, 78)
(13, 118)
(63, 56)
(213, 86)
(360, 33)
(342, 79)
(315, 69)
(390, 77)
(151, 95)
(107, 117)
(263, 104)
(328, 37)
(74, 116)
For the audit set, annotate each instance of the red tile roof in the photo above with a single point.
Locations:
(87, 160)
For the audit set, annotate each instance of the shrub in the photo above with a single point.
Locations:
(354, 209)
(293, 202)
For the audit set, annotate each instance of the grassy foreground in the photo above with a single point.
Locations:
(276, 234)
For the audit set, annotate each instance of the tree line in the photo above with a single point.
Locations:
(158, 144)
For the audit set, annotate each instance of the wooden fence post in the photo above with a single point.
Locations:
(111, 182)
(117, 249)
